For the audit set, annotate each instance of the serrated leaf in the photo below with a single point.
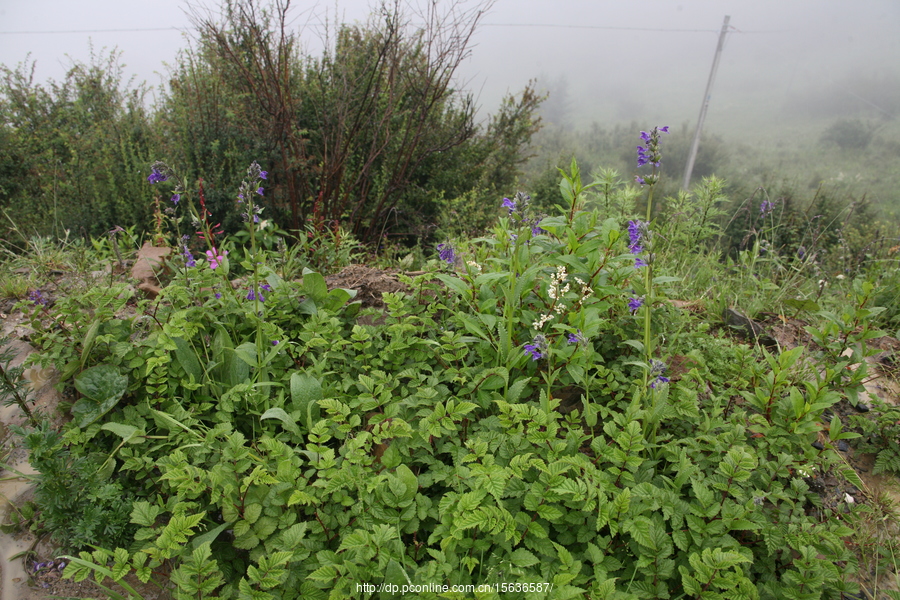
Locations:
(523, 558)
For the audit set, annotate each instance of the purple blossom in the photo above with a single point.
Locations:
(639, 262)
(650, 154)
(263, 174)
(446, 253)
(259, 191)
(37, 297)
(256, 296)
(218, 296)
(766, 207)
(157, 176)
(635, 303)
(634, 235)
(240, 198)
(188, 257)
(537, 348)
(536, 229)
(576, 338)
(510, 204)
(657, 368)
(175, 198)
(274, 342)
(639, 180)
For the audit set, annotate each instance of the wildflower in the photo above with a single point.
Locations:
(274, 342)
(576, 338)
(157, 175)
(635, 234)
(540, 322)
(446, 253)
(657, 368)
(265, 287)
(263, 174)
(640, 180)
(214, 258)
(639, 262)
(537, 348)
(218, 296)
(188, 257)
(240, 198)
(635, 303)
(259, 191)
(37, 297)
(536, 229)
(839, 276)
(766, 207)
(801, 252)
(650, 154)
(510, 204)
(475, 266)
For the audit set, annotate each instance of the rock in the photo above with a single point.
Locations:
(843, 446)
(862, 407)
(151, 260)
(818, 445)
(747, 326)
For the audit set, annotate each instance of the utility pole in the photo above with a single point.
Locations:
(689, 168)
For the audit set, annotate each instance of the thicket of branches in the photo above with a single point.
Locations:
(372, 135)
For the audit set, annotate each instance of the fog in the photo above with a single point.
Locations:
(602, 60)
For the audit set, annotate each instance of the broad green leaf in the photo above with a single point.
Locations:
(128, 433)
(315, 287)
(286, 421)
(187, 358)
(103, 386)
(306, 391)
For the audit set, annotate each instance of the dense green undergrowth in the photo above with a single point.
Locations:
(533, 410)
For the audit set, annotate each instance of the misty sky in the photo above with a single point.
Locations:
(619, 59)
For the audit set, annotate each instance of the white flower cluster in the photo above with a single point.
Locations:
(475, 266)
(555, 280)
(586, 291)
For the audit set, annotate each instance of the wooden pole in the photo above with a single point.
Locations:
(689, 168)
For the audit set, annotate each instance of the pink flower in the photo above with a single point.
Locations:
(214, 258)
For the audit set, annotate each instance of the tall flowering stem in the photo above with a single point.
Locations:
(649, 154)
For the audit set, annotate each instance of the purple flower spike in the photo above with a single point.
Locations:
(446, 253)
(157, 176)
(639, 262)
(510, 204)
(634, 304)
(175, 198)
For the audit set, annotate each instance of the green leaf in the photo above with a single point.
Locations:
(455, 283)
(103, 386)
(188, 359)
(409, 480)
(247, 353)
(210, 536)
(523, 558)
(807, 305)
(126, 432)
(315, 287)
(286, 421)
(306, 391)
(88, 342)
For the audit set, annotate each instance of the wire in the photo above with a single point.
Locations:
(90, 31)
